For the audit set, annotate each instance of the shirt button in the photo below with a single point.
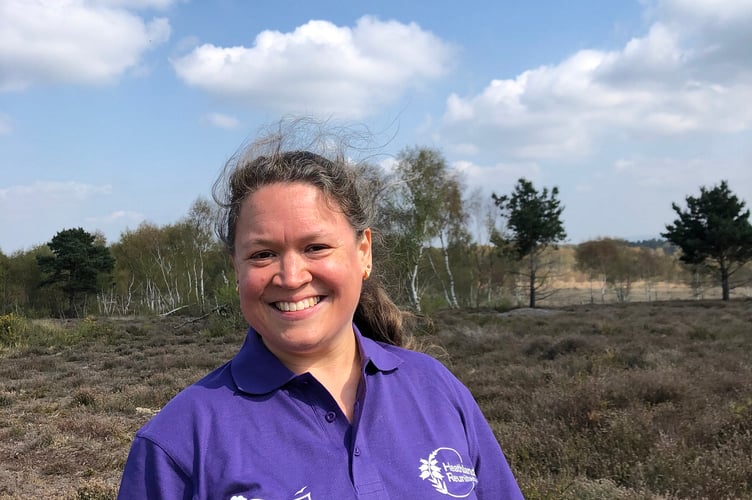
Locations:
(356, 451)
(330, 416)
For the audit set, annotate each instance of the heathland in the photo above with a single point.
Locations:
(618, 401)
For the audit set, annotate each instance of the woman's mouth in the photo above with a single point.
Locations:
(297, 306)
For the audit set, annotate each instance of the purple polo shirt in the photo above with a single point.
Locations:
(252, 429)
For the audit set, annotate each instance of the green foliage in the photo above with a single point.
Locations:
(159, 269)
(19, 332)
(20, 276)
(77, 263)
(533, 218)
(226, 318)
(91, 328)
(425, 206)
(713, 231)
(534, 222)
(13, 329)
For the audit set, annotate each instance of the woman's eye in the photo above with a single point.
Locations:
(316, 248)
(261, 255)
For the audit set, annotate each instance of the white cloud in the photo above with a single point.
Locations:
(117, 217)
(51, 192)
(220, 120)
(679, 176)
(43, 200)
(72, 41)
(666, 83)
(498, 178)
(320, 67)
(112, 225)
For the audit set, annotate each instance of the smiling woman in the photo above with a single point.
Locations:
(322, 401)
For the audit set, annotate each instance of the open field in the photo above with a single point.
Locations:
(633, 401)
(569, 292)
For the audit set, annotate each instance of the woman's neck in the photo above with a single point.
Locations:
(341, 382)
(338, 371)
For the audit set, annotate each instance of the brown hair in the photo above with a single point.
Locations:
(279, 158)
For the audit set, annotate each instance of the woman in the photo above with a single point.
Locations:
(320, 402)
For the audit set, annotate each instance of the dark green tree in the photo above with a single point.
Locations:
(534, 223)
(714, 231)
(76, 264)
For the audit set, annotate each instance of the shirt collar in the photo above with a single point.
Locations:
(256, 370)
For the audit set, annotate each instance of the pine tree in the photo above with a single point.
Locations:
(76, 263)
(534, 221)
(714, 231)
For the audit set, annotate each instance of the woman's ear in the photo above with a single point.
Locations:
(365, 249)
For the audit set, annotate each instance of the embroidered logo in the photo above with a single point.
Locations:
(447, 474)
(301, 494)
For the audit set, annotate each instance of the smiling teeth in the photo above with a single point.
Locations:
(297, 306)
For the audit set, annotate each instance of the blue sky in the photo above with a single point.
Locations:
(114, 112)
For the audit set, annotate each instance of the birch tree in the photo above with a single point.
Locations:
(428, 208)
(202, 243)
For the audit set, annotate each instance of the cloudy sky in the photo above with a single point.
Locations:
(114, 112)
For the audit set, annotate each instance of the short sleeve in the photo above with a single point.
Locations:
(151, 474)
(495, 478)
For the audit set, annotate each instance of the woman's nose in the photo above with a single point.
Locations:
(293, 272)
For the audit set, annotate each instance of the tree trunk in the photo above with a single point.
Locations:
(443, 286)
(452, 295)
(414, 282)
(725, 281)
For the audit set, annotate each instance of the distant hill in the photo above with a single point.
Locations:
(654, 243)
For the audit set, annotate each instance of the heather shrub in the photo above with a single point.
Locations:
(634, 401)
(95, 490)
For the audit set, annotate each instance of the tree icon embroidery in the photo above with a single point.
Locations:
(429, 469)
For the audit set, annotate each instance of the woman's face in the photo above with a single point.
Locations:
(299, 266)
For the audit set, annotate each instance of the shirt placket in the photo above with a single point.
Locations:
(364, 473)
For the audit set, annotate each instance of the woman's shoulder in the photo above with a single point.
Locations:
(431, 362)
(197, 402)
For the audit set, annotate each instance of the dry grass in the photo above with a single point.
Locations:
(615, 401)
(632, 401)
(68, 411)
